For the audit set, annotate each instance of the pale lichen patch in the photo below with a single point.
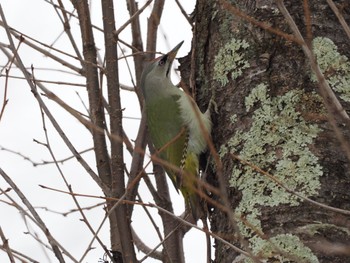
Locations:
(334, 66)
(230, 60)
(283, 244)
(277, 141)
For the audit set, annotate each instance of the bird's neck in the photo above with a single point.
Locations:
(156, 91)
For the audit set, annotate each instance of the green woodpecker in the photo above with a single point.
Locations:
(175, 126)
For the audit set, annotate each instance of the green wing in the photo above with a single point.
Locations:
(164, 125)
(169, 135)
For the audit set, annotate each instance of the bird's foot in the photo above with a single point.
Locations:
(213, 105)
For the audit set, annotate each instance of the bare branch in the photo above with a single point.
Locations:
(234, 10)
(20, 256)
(330, 100)
(6, 246)
(134, 16)
(94, 92)
(137, 160)
(152, 28)
(117, 161)
(184, 12)
(7, 70)
(279, 183)
(144, 248)
(325, 90)
(137, 45)
(30, 79)
(66, 27)
(5, 100)
(86, 221)
(23, 38)
(48, 81)
(340, 17)
(179, 219)
(54, 244)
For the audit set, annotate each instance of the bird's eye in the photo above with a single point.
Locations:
(162, 61)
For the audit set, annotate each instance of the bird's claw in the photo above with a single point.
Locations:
(213, 104)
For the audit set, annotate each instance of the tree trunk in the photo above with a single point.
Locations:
(271, 117)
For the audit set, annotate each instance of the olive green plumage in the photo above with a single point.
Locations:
(174, 127)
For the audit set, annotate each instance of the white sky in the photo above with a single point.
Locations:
(22, 123)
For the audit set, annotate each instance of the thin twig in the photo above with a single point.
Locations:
(152, 28)
(20, 256)
(27, 158)
(111, 210)
(183, 11)
(130, 20)
(85, 220)
(137, 45)
(122, 86)
(236, 11)
(281, 184)
(138, 242)
(93, 26)
(45, 248)
(174, 245)
(7, 71)
(326, 92)
(5, 244)
(171, 233)
(66, 27)
(48, 81)
(5, 99)
(53, 243)
(330, 100)
(181, 220)
(23, 38)
(133, 88)
(29, 78)
(137, 159)
(340, 17)
(144, 248)
(221, 179)
(56, 246)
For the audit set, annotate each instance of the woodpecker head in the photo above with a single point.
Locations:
(158, 70)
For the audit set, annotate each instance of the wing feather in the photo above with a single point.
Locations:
(164, 125)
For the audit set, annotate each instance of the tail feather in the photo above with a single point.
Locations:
(196, 206)
(189, 186)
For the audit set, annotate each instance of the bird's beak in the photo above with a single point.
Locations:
(173, 52)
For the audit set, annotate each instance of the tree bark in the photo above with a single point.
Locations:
(272, 118)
